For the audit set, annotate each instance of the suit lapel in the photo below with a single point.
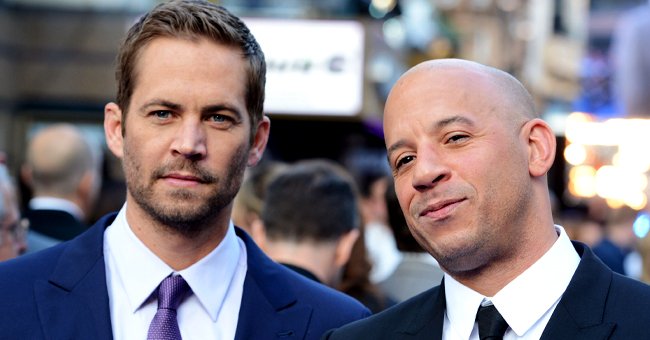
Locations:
(268, 308)
(426, 320)
(73, 302)
(579, 314)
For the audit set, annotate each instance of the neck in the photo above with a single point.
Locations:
(177, 250)
(318, 258)
(489, 279)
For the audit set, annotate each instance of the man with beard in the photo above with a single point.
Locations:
(469, 156)
(187, 121)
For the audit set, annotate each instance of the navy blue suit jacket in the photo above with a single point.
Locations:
(61, 293)
(598, 304)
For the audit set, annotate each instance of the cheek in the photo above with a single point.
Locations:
(404, 196)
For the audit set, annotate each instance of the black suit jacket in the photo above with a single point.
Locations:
(598, 304)
(57, 224)
(61, 293)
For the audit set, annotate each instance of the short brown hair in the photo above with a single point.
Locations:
(192, 19)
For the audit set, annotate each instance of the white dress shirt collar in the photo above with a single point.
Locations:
(141, 271)
(55, 203)
(525, 300)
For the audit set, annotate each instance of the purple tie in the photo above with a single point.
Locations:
(171, 292)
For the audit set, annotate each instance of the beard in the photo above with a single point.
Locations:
(181, 210)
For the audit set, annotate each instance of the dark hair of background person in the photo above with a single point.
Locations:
(356, 279)
(249, 202)
(312, 200)
(403, 237)
(192, 20)
(367, 165)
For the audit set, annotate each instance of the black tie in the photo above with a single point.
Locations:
(491, 325)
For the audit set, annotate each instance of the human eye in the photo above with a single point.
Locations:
(400, 162)
(455, 138)
(221, 120)
(161, 114)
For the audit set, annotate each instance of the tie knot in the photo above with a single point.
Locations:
(491, 325)
(171, 292)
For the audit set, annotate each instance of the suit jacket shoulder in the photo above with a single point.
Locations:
(58, 293)
(279, 303)
(57, 224)
(420, 317)
(61, 293)
(597, 304)
(600, 304)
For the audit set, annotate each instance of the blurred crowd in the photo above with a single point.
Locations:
(336, 221)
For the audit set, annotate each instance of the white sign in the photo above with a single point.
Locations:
(313, 67)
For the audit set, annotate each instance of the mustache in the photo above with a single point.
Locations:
(189, 167)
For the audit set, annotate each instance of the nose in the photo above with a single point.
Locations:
(430, 170)
(190, 140)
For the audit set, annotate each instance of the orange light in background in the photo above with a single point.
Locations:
(617, 148)
(582, 181)
(575, 154)
(614, 203)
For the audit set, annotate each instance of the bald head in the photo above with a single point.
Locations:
(58, 156)
(475, 80)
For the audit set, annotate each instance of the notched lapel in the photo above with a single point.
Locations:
(73, 303)
(269, 307)
(426, 320)
(580, 312)
(563, 326)
(68, 315)
(259, 319)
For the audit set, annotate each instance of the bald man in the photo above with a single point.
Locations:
(469, 157)
(63, 174)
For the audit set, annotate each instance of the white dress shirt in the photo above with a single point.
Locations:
(133, 273)
(526, 303)
(55, 203)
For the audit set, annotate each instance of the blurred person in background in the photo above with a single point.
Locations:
(311, 219)
(631, 59)
(187, 121)
(356, 278)
(617, 247)
(580, 225)
(247, 206)
(371, 173)
(417, 271)
(470, 157)
(13, 229)
(64, 178)
(643, 248)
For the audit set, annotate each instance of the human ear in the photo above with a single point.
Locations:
(541, 147)
(344, 247)
(259, 141)
(113, 129)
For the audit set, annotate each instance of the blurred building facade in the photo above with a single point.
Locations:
(57, 62)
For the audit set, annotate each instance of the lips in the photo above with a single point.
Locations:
(180, 179)
(442, 209)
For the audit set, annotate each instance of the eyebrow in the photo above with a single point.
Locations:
(438, 125)
(452, 120)
(160, 102)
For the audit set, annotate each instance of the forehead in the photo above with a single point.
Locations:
(172, 61)
(432, 95)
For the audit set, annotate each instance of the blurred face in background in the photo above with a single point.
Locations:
(12, 229)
